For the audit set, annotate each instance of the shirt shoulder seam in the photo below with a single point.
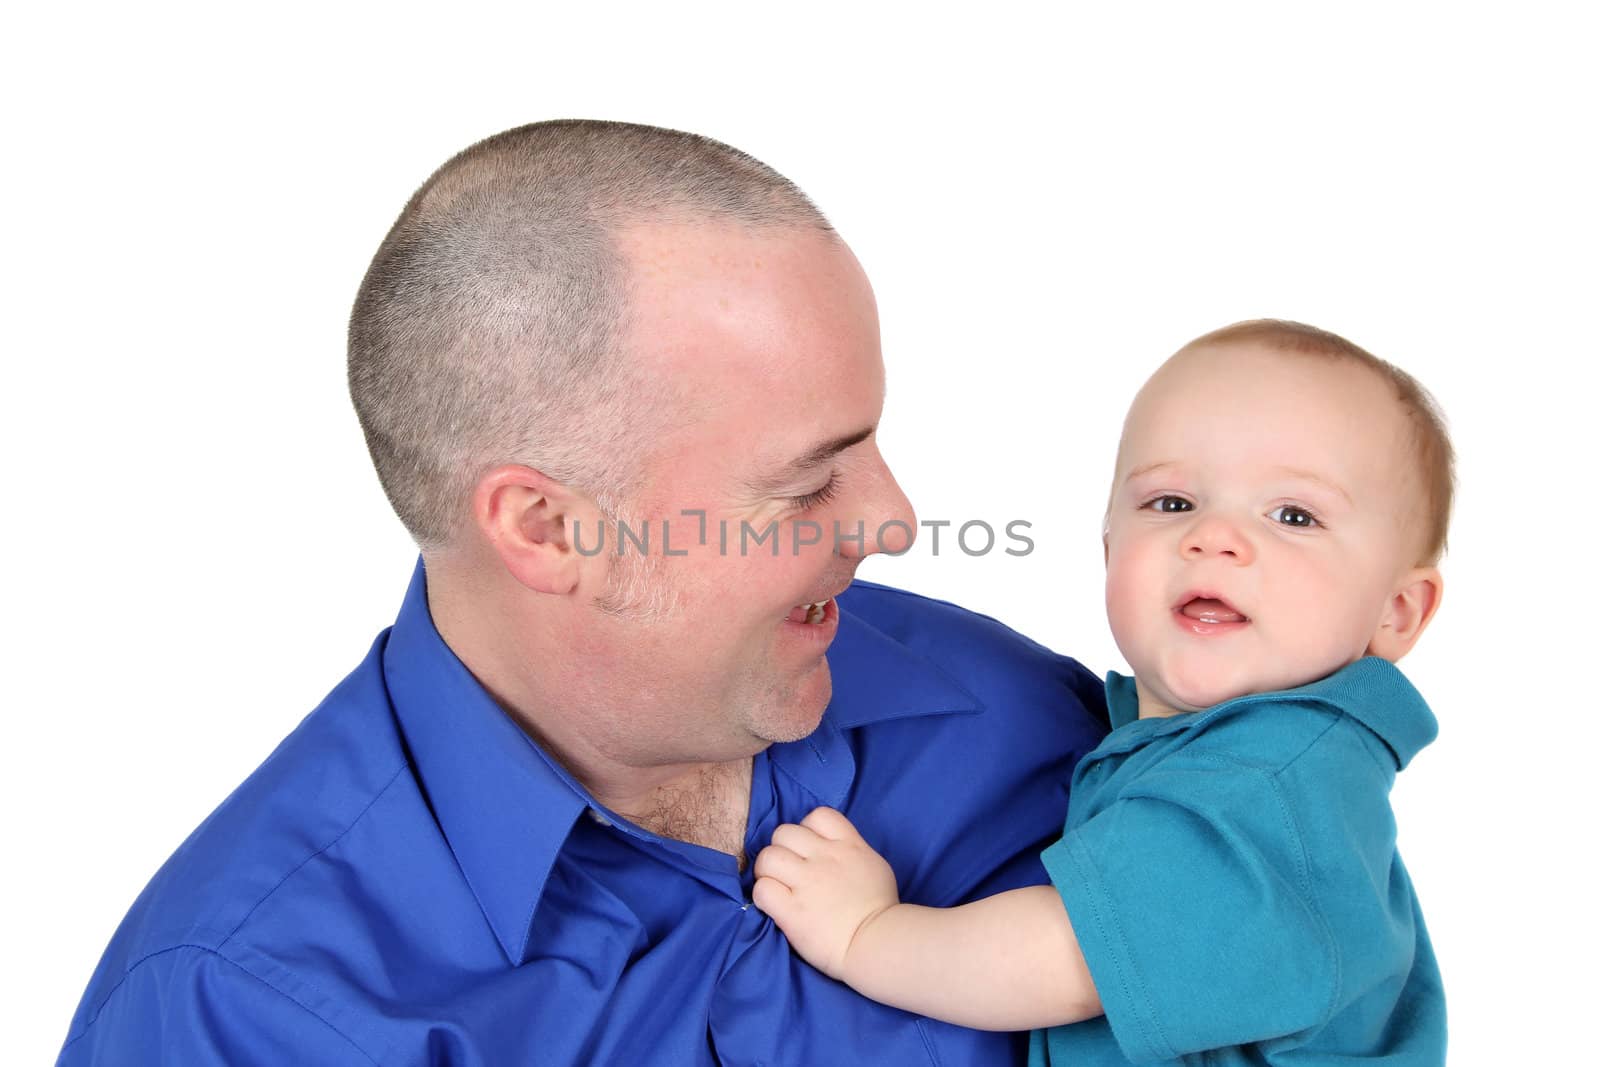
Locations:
(1282, 797)
(302, 864)
(1269, 767)
(1328, 728)
(207, 950)
(1308, 886)
(1149, 1025)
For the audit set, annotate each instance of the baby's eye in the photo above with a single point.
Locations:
(1169, 504)
(1290, 515)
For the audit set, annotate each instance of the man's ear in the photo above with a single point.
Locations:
(1409, 610)
(533, 524)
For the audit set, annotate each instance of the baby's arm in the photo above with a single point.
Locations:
(1007, 962)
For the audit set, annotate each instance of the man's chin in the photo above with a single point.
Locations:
(795, 711)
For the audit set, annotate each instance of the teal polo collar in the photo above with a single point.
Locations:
(1371, 690)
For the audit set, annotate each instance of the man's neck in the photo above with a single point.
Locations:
(708, 806)
(704, 802)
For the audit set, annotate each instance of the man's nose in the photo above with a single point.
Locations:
(1216, 535)
(890, 523)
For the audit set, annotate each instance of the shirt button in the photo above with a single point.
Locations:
(595, 816)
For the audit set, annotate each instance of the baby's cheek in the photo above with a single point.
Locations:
(1314, 652)
(1125, 594)
(1339, 630)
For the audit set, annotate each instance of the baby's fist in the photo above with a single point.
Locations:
(820, 882)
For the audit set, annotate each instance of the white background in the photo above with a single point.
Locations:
(1049, 200)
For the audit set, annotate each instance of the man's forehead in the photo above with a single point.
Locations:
(766, 340)
(762, 291)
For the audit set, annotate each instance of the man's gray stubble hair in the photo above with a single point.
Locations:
(489, 328)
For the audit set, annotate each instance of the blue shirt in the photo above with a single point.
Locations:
(1232, 878)
(408, 879)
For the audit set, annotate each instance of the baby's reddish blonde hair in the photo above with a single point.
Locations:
(1435, 456)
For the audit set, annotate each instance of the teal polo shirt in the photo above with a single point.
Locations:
(1232, 878)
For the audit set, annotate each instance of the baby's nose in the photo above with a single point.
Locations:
(1215, 535)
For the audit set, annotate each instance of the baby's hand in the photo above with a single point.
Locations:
(821, 883)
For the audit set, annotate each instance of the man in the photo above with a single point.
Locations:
(621, 384)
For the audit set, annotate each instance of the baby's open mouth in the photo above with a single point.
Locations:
(1210, 609)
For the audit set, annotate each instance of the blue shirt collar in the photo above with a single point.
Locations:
(887, 680)
(1371, 690)
(505, 807)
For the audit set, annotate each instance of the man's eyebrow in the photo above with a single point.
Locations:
(820, 454)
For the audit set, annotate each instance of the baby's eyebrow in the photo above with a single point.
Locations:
(1309, 476)
(1139, 472)
(1293, 472)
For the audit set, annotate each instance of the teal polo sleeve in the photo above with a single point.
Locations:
(1193, 901)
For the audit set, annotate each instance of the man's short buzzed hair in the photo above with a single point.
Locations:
(489, 326)
(1435, 457)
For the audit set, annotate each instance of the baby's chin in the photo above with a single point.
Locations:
(1198, 697)
(1197, 691)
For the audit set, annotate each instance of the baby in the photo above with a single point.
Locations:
(1227, 889)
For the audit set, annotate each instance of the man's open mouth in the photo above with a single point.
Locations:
(810, 614)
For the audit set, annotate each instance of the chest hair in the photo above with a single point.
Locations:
(709, 808)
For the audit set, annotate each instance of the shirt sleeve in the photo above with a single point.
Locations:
(190, 1006)
(1192, 900)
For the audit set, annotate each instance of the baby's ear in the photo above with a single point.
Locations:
(1410, 608)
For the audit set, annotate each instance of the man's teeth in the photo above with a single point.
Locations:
(815, 612)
